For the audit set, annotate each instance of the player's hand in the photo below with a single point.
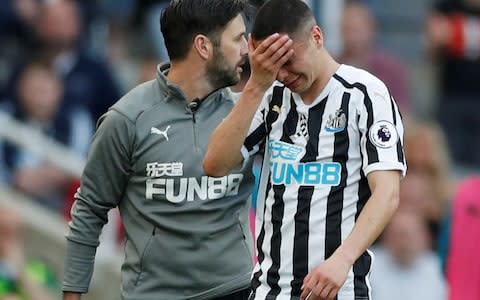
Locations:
(267, 58)
(324, 282)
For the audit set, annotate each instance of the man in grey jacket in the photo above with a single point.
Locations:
(186, 237)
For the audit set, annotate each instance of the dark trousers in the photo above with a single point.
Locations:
(240, 295)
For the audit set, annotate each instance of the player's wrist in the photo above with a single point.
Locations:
(346, 256)
(256, 87)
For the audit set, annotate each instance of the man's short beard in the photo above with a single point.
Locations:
(219, 73)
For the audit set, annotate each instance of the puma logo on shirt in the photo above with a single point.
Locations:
(154, 130)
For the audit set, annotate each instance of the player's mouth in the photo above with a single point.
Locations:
(293, 83)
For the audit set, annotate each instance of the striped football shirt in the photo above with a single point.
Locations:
(313, 182)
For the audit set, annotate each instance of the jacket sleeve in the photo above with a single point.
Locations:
(102, 187)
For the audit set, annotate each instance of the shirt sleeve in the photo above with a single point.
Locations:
(381, 130)
(102, 184)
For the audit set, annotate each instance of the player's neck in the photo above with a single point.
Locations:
(328, 68)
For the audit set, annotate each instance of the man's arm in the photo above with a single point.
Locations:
(325, 280)
(102, 186)
(71, 296)
(223, 152)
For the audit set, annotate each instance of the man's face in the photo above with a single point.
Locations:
(406, 237)
(59, 24)
(224, 68)
(40, 93)
(357, 28)
(299, 72)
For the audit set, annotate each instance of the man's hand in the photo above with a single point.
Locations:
(71, 296)
(324, 282)
(267, 57)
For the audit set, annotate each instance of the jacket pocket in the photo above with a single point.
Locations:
(247, 239)
(145, 253)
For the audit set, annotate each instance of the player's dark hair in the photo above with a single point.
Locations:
(282, 16)
(181, 20)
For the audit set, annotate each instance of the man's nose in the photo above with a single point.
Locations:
(244, 48)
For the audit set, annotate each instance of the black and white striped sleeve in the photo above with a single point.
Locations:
(381, 130)
(255, 140)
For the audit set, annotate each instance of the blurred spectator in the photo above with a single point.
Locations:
(426, 151)
(20, 278)
(463, 263)
(417, 194)
(88, 82)
(148, 70)
(427, 189)
(16, 14)
(17, 19)
(40, 92)
(152, 24)
(452, 34)
(358, 32)
(404, 267)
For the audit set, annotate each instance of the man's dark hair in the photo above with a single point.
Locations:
(282, 16)
(181, 20)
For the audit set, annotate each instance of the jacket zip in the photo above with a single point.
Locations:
(194, 125)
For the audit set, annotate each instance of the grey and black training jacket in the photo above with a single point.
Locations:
(187, 234)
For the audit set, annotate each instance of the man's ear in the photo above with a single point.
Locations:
(317, 35)
(203, 46)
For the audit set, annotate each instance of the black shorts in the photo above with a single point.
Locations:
(239, 295)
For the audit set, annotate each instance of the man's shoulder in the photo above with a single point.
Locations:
(357, 76)
(138, 100)
(352, 77)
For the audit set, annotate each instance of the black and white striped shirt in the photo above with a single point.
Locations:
(314, 183)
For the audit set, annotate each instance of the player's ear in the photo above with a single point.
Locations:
(203, 46)
(317, 36)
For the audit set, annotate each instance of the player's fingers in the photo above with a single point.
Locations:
(306, 279)
(276, 56)
(332, 293)
(283, 59)
(325, 292)
(308, 287)
(267, 42)
(281, 45)
(306, 294)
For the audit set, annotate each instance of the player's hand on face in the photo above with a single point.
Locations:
(268, 57)
(324, 282)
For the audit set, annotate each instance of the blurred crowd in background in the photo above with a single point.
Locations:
(64, 62)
